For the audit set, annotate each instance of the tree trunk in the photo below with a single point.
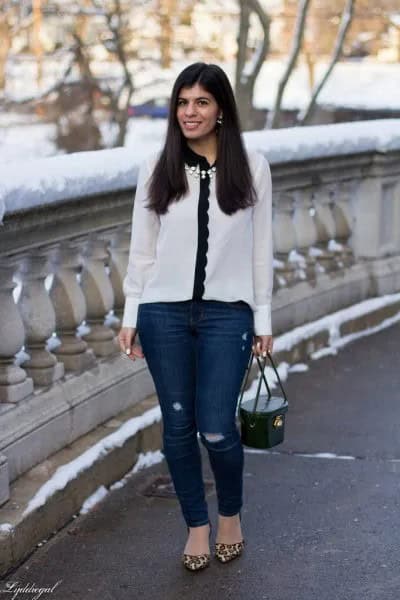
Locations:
(5, 45)
(246, 75)
(167, 10)
(37, 44)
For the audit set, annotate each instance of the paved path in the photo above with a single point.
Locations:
(316, 528)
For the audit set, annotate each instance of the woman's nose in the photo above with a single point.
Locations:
(190, 109)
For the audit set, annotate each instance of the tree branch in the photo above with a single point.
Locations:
(347, 17)
(298, 36)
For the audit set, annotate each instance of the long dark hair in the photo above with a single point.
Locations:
(234, 186)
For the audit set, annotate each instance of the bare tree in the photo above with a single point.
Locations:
(247, 73)
(345, 22)
(273, 119)
(5, 36)
(167, 10)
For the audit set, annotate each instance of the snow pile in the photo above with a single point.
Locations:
(64, 474)
(94, 499)
(332, 323)
(24, 185)
(320, 141)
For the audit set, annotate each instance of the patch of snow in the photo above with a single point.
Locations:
(295, 257)
(279, 264)
(314, 251)
(328, 455)
(331, 322)
(66, 473)
(147, 459)
(298, 368)
(93, 499)
(334, 246)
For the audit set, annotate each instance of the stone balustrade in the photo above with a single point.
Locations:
(336, 242)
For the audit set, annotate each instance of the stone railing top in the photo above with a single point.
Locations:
(24, 185)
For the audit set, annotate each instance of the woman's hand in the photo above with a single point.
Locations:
(126, 338)
(262, 344)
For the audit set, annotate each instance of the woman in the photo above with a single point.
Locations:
(198, 289)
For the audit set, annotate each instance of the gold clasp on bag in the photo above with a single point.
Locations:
(278, 421)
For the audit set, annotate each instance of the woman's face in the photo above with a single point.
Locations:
(197, 112)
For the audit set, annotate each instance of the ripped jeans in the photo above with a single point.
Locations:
(197, 352)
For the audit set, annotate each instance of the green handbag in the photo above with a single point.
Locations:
(263, 425)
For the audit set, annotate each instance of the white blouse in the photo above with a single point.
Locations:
(196, 251)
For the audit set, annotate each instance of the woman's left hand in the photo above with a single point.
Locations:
(262, 344)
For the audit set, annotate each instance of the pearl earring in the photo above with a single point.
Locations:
(219, 120)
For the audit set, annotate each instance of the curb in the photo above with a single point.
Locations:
(22, 532)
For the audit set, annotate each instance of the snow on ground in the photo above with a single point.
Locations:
(49, 180)
(22, 142)
(286, 341)
(362, 84)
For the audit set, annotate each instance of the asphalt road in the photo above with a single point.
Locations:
(316, 528)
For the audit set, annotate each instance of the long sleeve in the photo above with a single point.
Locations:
(142, 252)
(263, 250)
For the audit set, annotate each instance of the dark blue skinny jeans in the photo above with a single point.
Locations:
(197, 352)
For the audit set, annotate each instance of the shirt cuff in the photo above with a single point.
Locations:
(130, 312)
(262, 320)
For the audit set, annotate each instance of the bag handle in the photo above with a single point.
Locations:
(252, 355)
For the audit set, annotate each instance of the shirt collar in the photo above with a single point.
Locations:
(192, 158)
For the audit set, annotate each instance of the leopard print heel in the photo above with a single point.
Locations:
(196, 562)
(227, 552)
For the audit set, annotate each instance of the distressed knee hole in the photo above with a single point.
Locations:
(177, 406)
(213, 437)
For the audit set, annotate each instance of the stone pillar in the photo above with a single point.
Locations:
(99, 296)
(366, 208)
(118, 250)
(325, 227)
(284, 238)
(39, 319)
(14, 383)
(70, 309)
(4, 480)
(306, 233)
(341, 207)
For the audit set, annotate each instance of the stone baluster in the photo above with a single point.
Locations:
(118, 250)
(70, 309)
(14, 383)
(4, 480)
(99, 296)
(284, 239)
(341, 208)
(306, 234)
(38, 317)
(325, 226)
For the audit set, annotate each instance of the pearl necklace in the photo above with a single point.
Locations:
(202, 173)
